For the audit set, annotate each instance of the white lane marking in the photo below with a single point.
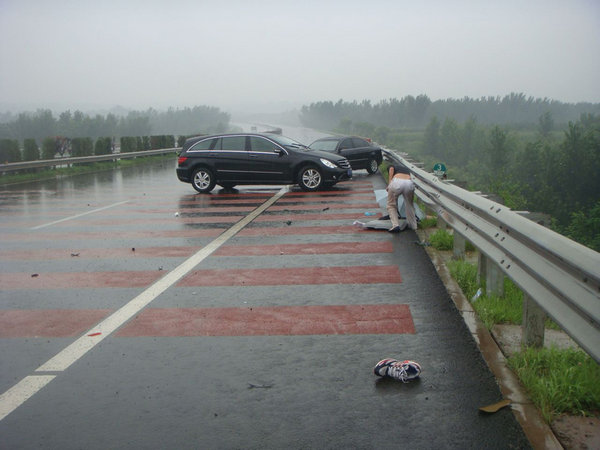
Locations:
(21, 392)
(81, 346)
(79, 215)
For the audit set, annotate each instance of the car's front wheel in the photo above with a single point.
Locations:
(310, 178)
(203, 180)
(373, 166)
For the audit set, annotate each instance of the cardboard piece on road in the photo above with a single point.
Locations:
(495, 407)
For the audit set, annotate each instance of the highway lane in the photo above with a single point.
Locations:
(263, 339)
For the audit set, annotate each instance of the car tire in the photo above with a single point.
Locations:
(310, 178)
(372, 166)
(203, 180)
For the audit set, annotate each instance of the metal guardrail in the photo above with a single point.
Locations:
(560, 275)
(12, 167)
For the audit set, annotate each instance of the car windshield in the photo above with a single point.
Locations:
(327, 145)
(287, 142)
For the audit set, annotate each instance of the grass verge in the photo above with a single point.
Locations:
(559, 381)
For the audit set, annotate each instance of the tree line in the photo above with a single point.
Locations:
(544, 168)
(416, 112)
(42, 123)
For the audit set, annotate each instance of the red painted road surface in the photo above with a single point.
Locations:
(266, 341)
(263, 321)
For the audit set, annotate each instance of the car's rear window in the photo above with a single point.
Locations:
(327, 145)
(206, 144)
(358, 142)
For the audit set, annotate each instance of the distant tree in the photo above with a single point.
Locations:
(546, 124)
(48, 148)
(345, 126)
(431, 144)
(31, 151)
(450, 141)
(498, 150)
(63, 145)
(585, 227)
(82, 146)
(364, 129)
(9, 151)
(103, 146)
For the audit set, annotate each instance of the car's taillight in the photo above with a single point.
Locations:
(181, 160)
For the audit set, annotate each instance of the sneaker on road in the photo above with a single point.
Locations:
(398, 370)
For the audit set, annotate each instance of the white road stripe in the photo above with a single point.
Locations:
(18, 394)
(79, 215)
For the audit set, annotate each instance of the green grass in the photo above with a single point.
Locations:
(559, 381)
(465, 275)
(428, 222)
(442, 240)
(77, 169)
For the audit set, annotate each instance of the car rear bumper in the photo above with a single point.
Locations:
(183, 175)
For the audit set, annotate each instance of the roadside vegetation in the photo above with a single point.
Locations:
(559, 381)
(533, 154)
(536, 167)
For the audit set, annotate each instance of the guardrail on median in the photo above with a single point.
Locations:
(12, 167)
(559, 275)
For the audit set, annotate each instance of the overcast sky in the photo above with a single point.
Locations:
(256, 53)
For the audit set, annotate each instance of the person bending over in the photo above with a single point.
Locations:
(400, 183)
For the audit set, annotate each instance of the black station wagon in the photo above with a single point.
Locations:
(361, 153)
(251, 158)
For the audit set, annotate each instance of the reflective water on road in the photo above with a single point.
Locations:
(38, 198)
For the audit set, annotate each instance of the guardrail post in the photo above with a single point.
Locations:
(534, 318)
(459, 246)
(494, 277)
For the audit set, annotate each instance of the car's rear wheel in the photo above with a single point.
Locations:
(310, 178)
(373, 166)
(203, 180)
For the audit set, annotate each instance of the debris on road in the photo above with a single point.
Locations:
(495, 407)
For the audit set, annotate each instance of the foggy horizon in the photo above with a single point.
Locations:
(268, 57)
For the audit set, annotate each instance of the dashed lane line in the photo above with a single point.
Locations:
(22, 391)
(76, 216)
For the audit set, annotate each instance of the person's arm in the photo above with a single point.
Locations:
(390, 176)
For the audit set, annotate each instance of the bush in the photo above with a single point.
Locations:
(162, 141)
(103, 146)
(9, 151)
(31, 151)
(48, 148)
(129, 144)
(82, 147)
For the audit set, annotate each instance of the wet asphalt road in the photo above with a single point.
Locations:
(267, 342)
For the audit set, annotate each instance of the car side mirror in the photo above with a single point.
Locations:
(279, 151)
